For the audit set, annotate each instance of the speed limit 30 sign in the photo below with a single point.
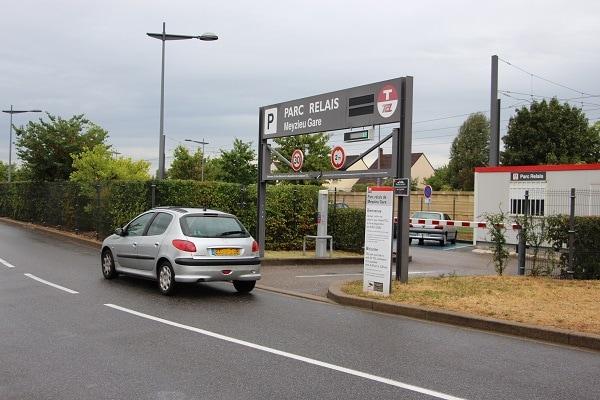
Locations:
(297, 160)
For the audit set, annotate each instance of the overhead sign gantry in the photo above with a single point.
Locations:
(380, 103)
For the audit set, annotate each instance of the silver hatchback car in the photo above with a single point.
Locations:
(183, 245)
(439, 232)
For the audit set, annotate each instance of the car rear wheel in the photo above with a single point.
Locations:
(244, 286)
(166, 279)
(453, 241)
(108, 265)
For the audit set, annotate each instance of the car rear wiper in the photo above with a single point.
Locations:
(232, 233)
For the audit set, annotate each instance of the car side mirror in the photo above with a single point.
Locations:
(120, 232)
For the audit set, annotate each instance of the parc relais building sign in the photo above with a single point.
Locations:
(368, 105)
(528, 176)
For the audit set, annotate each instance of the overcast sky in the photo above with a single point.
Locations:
(71, 57)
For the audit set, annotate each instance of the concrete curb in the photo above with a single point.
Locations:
(54, 232)
(545, 334)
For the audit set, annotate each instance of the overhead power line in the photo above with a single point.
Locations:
(547, 80)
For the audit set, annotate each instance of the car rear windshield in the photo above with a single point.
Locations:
(212, 226)
(426, 215)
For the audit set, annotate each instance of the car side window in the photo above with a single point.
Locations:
(160, 224)
(138, 225)
(447, 217)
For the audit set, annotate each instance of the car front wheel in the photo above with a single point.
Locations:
(108, 265)
(166, 279)
(244, 286)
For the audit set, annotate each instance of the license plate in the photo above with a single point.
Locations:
(227, 252)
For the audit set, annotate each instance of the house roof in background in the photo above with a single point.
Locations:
(384, 162)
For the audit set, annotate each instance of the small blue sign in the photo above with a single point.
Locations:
(427, 191)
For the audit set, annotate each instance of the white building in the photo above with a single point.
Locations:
(548, 186)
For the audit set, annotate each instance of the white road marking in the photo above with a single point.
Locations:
(326, 275)
(336, 275)
(9, 265)
(307, 360)
(51, 284)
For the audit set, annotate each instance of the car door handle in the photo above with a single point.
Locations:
(156, 244)
(134, 244)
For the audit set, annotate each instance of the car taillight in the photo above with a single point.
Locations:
(184, 245)
(410, 225)
(254, 247)
(438, 227)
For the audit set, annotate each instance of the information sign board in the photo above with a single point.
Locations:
(377, 274)
(402, 187)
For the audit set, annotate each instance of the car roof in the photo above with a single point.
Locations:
(191, 210)
(428, 213)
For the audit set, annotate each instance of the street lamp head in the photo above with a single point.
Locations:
(208, 36)
(19, 111)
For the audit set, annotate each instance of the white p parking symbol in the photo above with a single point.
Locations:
(270, 121)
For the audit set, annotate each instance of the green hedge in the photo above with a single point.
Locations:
(586, 246)
(291, 211)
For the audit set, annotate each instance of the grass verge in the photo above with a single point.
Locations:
(542, 301)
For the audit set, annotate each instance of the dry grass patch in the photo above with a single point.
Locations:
(566, 304)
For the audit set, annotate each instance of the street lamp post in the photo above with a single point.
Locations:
(201, 161)
(11, 112)
(208, 36)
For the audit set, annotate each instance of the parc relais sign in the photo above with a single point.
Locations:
(528, 176)
(368, 105)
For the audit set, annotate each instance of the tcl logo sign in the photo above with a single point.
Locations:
(387, 101)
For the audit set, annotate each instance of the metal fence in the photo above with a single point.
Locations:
(543, 250)
(96, 209)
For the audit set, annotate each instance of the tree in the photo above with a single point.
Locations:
(550, 133)
(3, 172)
(46, 147)
(17, 174)
(439, 180)
(186, 165)
(470, 149)
(236, 166)
(97, 164)
(316, 154)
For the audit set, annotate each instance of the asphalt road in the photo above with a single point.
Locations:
(66, 333)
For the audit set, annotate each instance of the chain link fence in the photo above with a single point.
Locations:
(95, 209)
(555, 234)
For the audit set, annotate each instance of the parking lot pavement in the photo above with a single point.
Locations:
(311, 279)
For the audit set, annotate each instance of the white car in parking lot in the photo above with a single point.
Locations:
(428, 230)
